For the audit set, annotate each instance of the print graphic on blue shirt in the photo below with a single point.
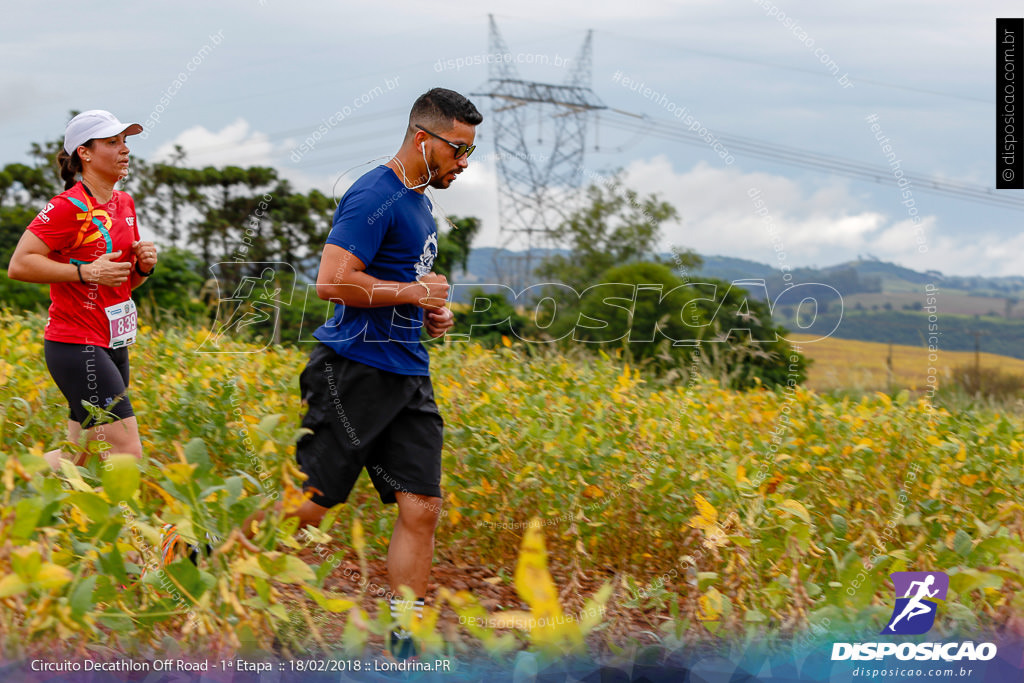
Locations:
(391, 229)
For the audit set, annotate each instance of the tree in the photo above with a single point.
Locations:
(660, 321)
(164, 192)
(174, 288)
(453, 245)
(628, 299)
(614, 227)
(241, 218)
(488, 318)
(24, 191)
(22, 296)
(236, 215)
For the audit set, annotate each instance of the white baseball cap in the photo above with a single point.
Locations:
(95, 124)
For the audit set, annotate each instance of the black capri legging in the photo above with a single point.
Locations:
(94, 374)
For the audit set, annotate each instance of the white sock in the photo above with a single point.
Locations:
(398, 606)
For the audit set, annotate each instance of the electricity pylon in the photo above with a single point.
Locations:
(537, 178)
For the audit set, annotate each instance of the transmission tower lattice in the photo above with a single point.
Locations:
(536, 179)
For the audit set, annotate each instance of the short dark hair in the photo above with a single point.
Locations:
(440, 108)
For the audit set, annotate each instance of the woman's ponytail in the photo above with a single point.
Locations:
(70, 165)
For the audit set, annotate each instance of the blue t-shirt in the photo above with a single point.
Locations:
(391, 229)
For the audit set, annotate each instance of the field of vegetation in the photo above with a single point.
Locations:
(573, 486)
(861, 365)
(953, 303)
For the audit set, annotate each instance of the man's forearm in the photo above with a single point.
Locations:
(361, 290)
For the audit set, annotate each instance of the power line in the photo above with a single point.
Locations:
(677, 46)
(793, 156)
(646, 126)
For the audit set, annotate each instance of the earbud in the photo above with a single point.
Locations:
(430, 172)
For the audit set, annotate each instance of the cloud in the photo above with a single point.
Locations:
(474, 193)
(238, 144)
(234, 144)
(798, 224)
(988, 253)
(723, 210)
(727, 211)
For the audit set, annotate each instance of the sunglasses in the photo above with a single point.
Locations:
(460, 149)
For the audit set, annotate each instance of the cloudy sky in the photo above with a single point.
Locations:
(262, 75)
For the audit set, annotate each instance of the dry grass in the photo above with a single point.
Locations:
(849, 364)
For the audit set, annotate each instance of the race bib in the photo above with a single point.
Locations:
(124, 321)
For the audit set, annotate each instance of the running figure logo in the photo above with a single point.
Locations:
(253, 300)
(914, 612)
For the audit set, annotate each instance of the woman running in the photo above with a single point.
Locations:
(85, 244)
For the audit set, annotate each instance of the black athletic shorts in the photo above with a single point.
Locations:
(363, 417)
(94, 374)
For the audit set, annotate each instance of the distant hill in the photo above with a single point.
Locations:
(995, 335)
(883, 302)
(878, 301)
(893, 277)
(887, 272)
(730, 268)
(1012, 285)
(495, 266)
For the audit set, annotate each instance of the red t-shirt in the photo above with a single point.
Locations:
(78, 230)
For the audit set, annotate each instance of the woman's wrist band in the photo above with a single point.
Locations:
(78, 267)
(142, 272)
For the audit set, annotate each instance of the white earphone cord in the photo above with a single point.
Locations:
(430, 174)
(433, 200)
(405, 178)
(334, 188)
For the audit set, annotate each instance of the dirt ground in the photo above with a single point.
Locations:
(494, 588)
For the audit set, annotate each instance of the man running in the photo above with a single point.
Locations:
(914, 606)
(367, 384)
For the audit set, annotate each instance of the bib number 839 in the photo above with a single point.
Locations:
(124, 320)
(127, 323)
